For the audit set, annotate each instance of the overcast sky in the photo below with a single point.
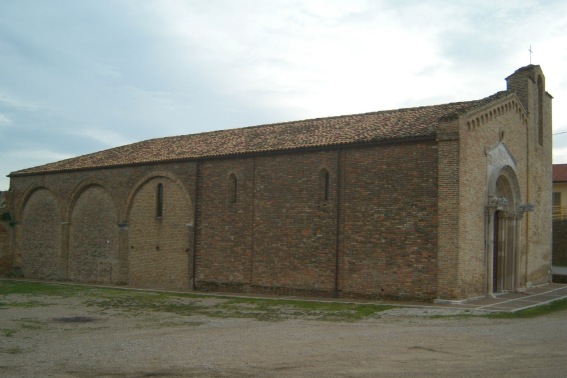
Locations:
(79, 76)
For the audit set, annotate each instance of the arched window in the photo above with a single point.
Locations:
(232, 188)
(159, 200)
(540, 110)
(324, 185)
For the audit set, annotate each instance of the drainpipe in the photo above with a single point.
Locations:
(338, 224)
(196, 212)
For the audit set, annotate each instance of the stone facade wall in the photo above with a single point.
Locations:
(539, 180)
(501, 123)
(512, 122)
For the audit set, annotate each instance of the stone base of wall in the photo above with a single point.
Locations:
(206, 286)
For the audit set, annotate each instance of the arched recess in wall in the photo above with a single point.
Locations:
(40, 236)
(509, 173)
(160, 219)
(93, 235)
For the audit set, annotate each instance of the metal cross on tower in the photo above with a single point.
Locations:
(530, 50)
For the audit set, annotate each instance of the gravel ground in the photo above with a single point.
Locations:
(65, 338)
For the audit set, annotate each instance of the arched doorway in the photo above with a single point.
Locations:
(503, 232)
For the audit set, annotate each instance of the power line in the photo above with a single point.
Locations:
(563, 132)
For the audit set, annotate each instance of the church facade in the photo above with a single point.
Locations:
(443, 202)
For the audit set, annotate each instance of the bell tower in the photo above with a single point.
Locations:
(529, 85)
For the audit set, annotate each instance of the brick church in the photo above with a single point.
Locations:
(443, 202)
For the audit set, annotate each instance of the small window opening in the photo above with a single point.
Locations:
(233, 188)
(159, 201)
(325, 184)
(540, 110)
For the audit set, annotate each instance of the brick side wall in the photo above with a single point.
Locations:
(225, 248)
(390, 221)
(280, 235)
(294, 228)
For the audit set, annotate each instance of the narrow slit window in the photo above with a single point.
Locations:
(540, 110)
(232, 188)
(324, 184)
(159, 200)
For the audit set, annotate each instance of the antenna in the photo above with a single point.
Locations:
(530, 50)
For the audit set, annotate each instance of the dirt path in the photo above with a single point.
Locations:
(63, 337)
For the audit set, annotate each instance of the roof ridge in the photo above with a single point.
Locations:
(370, 127)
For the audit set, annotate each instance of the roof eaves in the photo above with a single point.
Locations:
(31, 172)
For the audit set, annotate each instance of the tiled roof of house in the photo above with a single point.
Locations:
(400, 124)
(559, 172)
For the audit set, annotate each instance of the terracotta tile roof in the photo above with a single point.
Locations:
(559, 172)
(397, 124)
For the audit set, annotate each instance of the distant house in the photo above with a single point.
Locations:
(559, 201)
(441, 202)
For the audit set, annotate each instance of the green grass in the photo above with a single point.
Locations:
(36, 288)
(7, 332)
(532, 312)
(133, 302)
(15, 350)
(130, 302)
